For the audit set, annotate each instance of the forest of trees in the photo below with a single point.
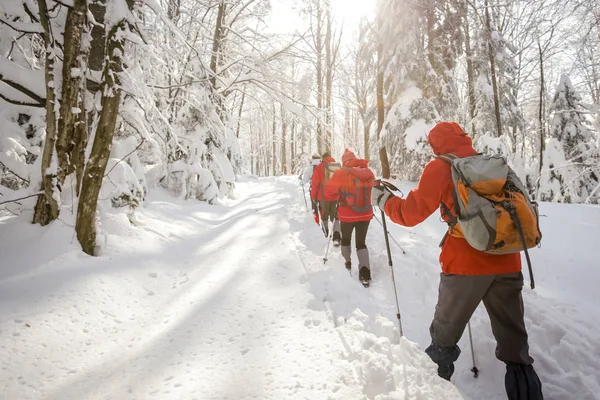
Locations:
(102, 100)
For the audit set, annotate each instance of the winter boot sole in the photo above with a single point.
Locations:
(364, 276)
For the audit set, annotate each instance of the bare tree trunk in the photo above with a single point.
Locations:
(380, 100)
(96, 166)
(431, 51)
(216, 49)
(71, 73)
(347, 136)
(328, 77)
(385, 164)
(174, 8)
(252, 150)
(293, 147)
(237, 131)
(470, 72)
(492, 57)
(319, 51)
(98, 44)
(274, 140)
(366, 134)
(283, 142)
(542, 132)
(46, 209)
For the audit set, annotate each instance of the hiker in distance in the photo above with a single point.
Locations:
(468, 276)
(351, 187)
(306, 176)
(326, 209)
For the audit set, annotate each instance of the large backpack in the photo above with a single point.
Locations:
(357, 193)
(330, 169)
(492, 209)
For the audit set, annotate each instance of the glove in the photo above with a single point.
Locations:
(380, 195)
(316, 217)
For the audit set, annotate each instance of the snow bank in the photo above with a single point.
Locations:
(233, 301)
(121, 185)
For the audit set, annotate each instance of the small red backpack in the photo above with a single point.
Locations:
(357, 193)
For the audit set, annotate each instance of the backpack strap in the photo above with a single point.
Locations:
(453, 219)
(449, 157)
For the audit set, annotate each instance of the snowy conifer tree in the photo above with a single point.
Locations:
(570, 171)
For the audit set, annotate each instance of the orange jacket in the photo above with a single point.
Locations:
(318, 180)
(435, 186)
(338, 185)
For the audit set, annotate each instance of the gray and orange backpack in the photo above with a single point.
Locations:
(492, 208)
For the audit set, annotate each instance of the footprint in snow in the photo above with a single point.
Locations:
(153, 275)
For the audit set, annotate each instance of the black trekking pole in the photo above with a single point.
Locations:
(304, 196)
(389, 253)
(327, 249)
(390, 235)
(474, 370)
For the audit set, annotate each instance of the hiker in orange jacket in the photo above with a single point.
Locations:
(320, 206)
(355, 210)
(468, 276)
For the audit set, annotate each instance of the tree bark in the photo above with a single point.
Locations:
(70, 90)
(542, 132)
(470, 72)
(237, 131)
(380, 100)
(98, 44)
(293, 147)
(174, 8)
(385, 164)
(366, 135)
(328, 78)
(319, 51)
(492, 56)
(274, 140)
(431, 37)
(216, 44)
(283, 142)
(96, 166)
(216, 49)
(46, 208)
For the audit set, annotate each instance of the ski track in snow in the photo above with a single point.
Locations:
(233, 302)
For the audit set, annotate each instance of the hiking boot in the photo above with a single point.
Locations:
(364, 276)
(522, 382)
(445, 371)
(444, 357)
(337, 239)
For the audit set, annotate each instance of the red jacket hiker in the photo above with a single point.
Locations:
(318, 180)
(435, 186)
(340, 184)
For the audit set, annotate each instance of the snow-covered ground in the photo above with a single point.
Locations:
(191, 301)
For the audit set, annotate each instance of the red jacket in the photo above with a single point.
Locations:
(338, 184)
(318, 180)
(435, 186)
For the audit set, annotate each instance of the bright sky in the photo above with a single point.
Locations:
(286, 18)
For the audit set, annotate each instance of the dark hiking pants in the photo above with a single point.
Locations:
(361, 228)
(329, 213)
(459, 296)
(328, 210)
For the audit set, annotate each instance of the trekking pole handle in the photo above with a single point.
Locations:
(388, 185)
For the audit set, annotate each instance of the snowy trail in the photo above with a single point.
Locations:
(233, 302)
(191, 302)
